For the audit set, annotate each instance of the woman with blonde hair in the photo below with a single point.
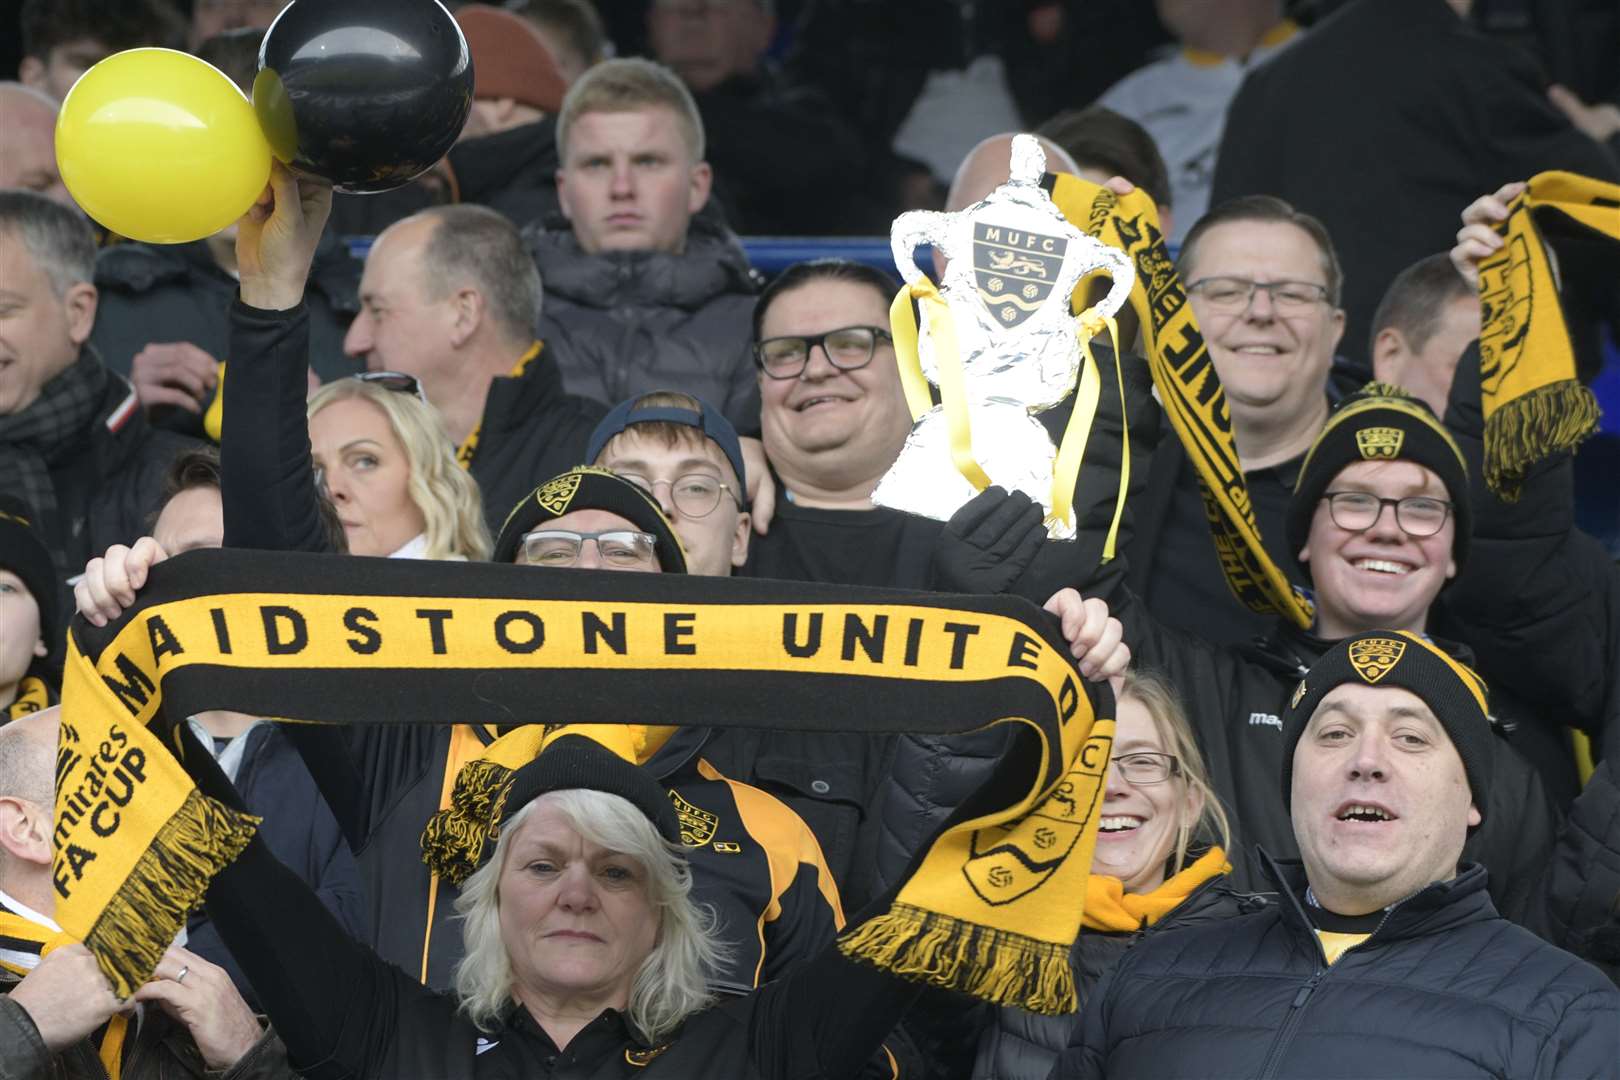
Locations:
(382, 456)
(1160, 863)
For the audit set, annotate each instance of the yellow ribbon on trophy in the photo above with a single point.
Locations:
(954, 401)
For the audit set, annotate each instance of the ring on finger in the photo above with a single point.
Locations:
(184, 968)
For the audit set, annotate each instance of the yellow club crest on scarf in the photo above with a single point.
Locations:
(1373, 658)
(1380, 442)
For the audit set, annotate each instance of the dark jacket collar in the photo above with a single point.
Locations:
(712, 265)
(1435, 909)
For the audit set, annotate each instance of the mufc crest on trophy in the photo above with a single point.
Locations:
(1000, 341)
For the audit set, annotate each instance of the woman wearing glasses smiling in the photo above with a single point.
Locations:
(1160, 862)
(390, 470)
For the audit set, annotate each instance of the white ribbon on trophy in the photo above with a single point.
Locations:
(999, 340)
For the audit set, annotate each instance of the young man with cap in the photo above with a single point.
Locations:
(1385, 956)
(28, 617)
(688, 456)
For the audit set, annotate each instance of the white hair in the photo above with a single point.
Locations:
(671, 983)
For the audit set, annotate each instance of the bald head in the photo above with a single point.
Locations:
(28, 756)
(989, 165)
(28, 142)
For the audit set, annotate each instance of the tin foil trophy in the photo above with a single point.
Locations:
(998, 339)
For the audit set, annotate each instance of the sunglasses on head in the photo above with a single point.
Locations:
(397, 381)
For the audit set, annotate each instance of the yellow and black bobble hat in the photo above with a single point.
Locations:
(1397, 658)
(1380, 422)
(590, 488)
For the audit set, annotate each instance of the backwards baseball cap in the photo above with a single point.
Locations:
(705, 418)
(486, 797)
(24, 553)
(1396, 658)
(1380, 422)
(590, 488)
(510, 58)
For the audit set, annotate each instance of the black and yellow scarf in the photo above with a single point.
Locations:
(23, 943)
(33, 695)
(1188, 388)
(1534, 406)
(989, 908)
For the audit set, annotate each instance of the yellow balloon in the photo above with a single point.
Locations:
(160, 146)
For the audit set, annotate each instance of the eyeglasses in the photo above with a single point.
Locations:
(1358, 511)
(1231, 295)
(1146, 768)
(847, 348)
(616, 547)
(397, 381)
(695, 495)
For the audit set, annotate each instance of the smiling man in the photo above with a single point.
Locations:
(1385, 955)
(643, 292)
(1264, 281)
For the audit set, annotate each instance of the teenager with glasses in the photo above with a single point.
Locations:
(687, 456)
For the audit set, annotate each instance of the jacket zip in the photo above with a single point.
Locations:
(1296, 1008)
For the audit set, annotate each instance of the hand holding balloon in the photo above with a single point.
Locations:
(275, 242)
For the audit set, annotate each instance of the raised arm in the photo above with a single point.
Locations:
(269, 492)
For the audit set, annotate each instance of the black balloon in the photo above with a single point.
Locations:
(365, 93)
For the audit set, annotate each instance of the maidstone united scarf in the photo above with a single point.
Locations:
(1189, 390)
(990, 907)
(1534, 406)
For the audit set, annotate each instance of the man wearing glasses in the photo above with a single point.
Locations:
(1264, 281)
(688, 457)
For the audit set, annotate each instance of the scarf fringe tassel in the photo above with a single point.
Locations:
(167, 883)
(997, 966)
(1523, 430)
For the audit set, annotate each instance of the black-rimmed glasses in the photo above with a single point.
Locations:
(1146, 767)
(1230, 295)
(847, 348)
(616, 547)
(695, 495)
(1358, 511)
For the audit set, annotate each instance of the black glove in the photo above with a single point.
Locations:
(989, 543)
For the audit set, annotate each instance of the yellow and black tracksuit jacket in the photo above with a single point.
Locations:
(753, 859)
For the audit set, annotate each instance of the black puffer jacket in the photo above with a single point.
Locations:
(626, 322)
(1444, 988)
(1021, 1045)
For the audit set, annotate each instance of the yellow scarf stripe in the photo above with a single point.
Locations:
(1534, 406)
(1189, 390)
(312, 638)
(468, 450)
